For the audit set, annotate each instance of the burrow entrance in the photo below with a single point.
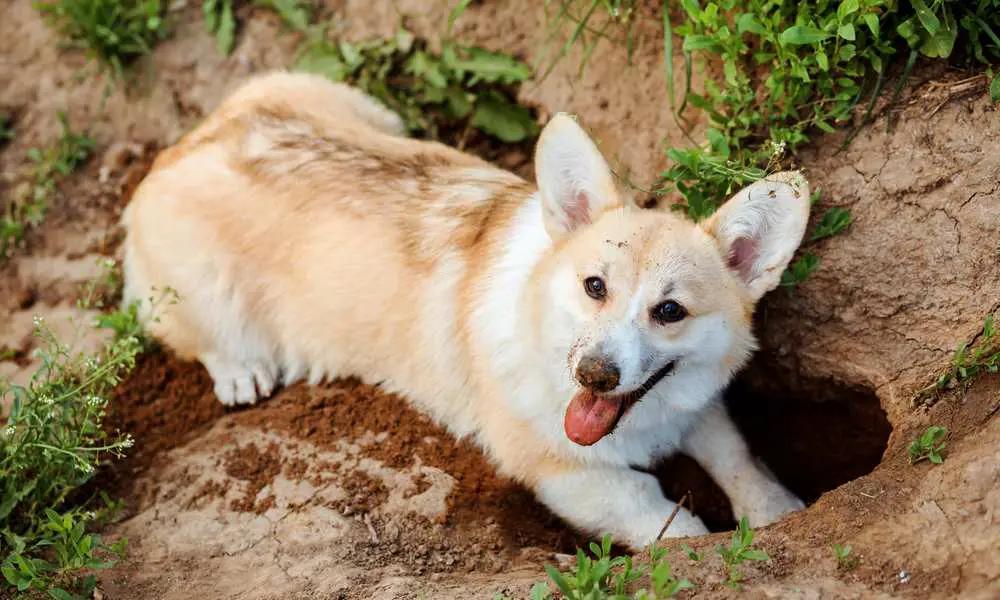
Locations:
(814, 435)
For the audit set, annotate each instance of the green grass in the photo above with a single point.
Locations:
(586, 23)
(462, 87)
(928, 446)
(599, 576)
(113, 33)
(51, 446)
(846, 560)
(788, 69)
(49, 165)
(970, 362)
(739, 551)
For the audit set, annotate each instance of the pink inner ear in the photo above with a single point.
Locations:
(742, 255)
(578, 210)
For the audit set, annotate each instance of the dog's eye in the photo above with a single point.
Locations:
(595, 288)
(668, 312)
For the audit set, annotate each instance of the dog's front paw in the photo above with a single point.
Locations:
(769, 506)
(238, 383)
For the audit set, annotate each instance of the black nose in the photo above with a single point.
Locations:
(598, 374)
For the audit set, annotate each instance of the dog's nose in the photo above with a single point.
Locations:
(598, 374)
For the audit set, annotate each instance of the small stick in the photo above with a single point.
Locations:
(673, 515)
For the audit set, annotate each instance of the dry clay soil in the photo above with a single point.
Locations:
(340, 491)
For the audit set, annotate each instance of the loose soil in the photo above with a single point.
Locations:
(343, 491)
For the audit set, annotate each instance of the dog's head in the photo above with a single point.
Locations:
(634, 299)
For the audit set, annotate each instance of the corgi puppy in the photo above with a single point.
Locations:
(571, 334)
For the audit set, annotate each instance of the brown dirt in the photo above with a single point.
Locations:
(342, 491)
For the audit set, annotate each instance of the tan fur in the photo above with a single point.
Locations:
(307, 237)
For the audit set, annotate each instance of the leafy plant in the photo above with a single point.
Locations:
(53, 443)
(968, 363)
(845, 560)
(221, 22)
(598, 576)
(740, 550)
(112, 32)
(49, 165)
(799, 271)
(463, 86)
(69, 548)
(929, 445)
(832, 222)
(691, 553)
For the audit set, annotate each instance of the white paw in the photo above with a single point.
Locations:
(769, 506)
(241, 384)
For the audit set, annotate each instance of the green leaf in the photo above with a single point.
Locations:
(995, 88)
(61, 594)
(225, 37)
(426, 67)
(323, 59)
(208, 9)
(455, 14)
(872, 22)
(847, 32)
(693, 43)
(747, 22)
(755, 554)
(822, 61)
(458, 103)
(941, 43)
(802, 34)
(846, 9)
(559, 580)
(540, 591)
(926, 16)
(833, 222)
(486, 66)
(504, 120)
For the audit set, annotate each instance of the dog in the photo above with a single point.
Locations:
(573, 335)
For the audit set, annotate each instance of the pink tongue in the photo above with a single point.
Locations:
(589, 418)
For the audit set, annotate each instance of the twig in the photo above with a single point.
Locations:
(673, 515)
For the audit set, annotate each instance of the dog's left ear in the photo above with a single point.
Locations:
(759, 229)
(574, 181)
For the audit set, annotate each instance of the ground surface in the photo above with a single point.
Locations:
(343, 492)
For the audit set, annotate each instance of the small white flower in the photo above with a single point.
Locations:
(94, 401)
(128, 442)
(37, 321)
(9, 431)
(108, 263)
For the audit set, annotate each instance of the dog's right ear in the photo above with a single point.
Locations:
(575, 182)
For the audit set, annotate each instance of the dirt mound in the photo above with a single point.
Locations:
(343, 491)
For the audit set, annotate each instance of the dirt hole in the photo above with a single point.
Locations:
(813, 434)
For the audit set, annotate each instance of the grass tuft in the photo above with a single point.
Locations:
(739, 551)
(928, 446)
(53, 443)
(461, 87)
(598, 576)
(49, 165)
(114, 33)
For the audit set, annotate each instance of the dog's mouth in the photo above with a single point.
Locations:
(591, 416)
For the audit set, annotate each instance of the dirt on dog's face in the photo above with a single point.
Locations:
(645, 295)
